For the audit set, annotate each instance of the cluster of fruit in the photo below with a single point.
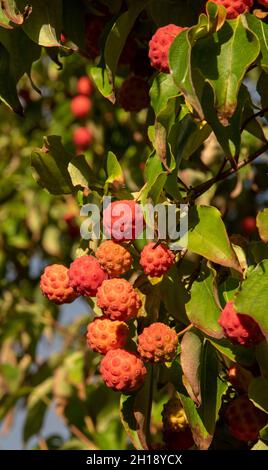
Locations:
(98, 276)
(81, 106)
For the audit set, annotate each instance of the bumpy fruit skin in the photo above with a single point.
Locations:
(115, 259)
(174, 417)
(55, 285)
(159, 46)
(157, 343)
(134, 94)
(80, 106)
(84, 86)
(86, 275)
(122, 370)
(82, 138)
(118, 300)
(104, 334)
(156, 260)
(235, 8)
(244, 420)
(123, 220)
(239, 377)
(239, 328)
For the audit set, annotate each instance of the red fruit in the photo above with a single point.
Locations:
(182, 440)
(115, 259)
(80, 106)
(157, 343)
(82, 138)
(118, 300)
(263, 2)
(134, 94)
(248, 225)
(239, 377)
(156, 260)
(63, 38)
(159, 46)
(122, 370)
(123, 220)
(235, 8)
(104, 334)
(238, 327)
(73, 229)
(86, 275)
(244, 420)
(55, 285)
(84, 86)
(94, 28)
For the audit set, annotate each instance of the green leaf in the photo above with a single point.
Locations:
(228, 289)
(253, 296)
(155, 179)
(222, 59)
(259, 251)
(260, 28)
(8, 91)
(262, 224)
(191, 350)
(114, 170)
(50, 166)
(34, 420)
(162, 90)
(103, 82)
(118, 35)
(202, 308)
(236, 353)
(190, 135)
(134, 413)
(21, 49)
(174, 295)
(9, 9)
(74, 24)
(207, 237)
(262, 357)
(44, 25)
(258, 393)
(260, 445)
(80, 172)
(202, 420)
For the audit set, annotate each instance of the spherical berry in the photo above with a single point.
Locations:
(55, 285)
(238, 327)
(104, 334)
(156, 259)
(134, 94)
(244, 420)
(159, 46)
(82, 138)
(235, 8)
(122, 370)
(118, 300)
(158, 343)
(80, 106)
(115, 259)
(248, 225)
(174, 417)
(86, 275)
(239, 377)
(84, 86)
(123, 220)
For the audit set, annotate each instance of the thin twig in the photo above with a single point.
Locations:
(260, 113)
(189, 327)
(202, 188)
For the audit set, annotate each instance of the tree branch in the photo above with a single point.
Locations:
(202, 188)
(260, 113)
